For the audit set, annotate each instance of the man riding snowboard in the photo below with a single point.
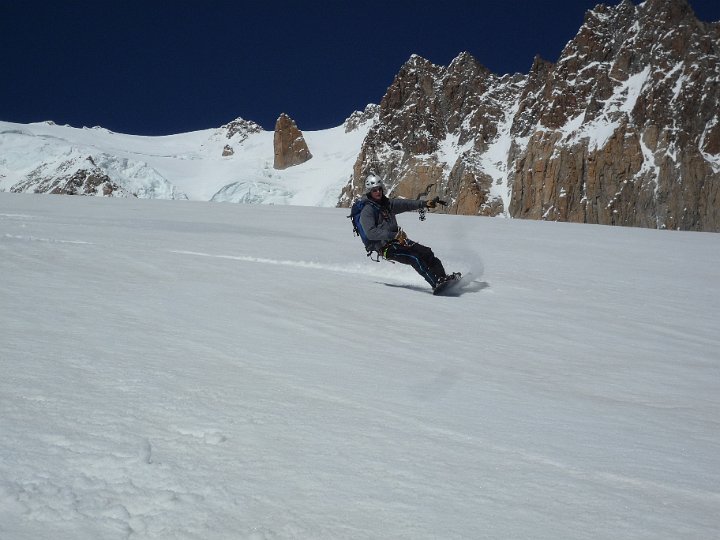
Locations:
(379, 227)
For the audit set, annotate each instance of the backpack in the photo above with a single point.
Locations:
(357, 227)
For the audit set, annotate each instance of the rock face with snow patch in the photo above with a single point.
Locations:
(434, 125)
(81, 182)
(237, 132)
(361, 118)
(40, 159)
(289, 144)
(240, 129)
(620, 128)
(624, 129)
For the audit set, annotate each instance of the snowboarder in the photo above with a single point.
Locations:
(380, 228)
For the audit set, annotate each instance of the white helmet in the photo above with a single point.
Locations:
(373, 181)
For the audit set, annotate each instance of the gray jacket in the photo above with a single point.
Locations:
(379, 222)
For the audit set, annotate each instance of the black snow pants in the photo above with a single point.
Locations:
(420, 257)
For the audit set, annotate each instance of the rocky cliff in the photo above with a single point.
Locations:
(93, 181)
(289, 144)
(624, 129)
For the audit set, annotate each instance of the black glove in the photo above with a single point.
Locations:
(432, 203)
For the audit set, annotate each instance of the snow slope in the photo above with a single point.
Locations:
(189, 370)
(187, 165)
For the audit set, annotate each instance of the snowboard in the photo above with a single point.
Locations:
(449, 285)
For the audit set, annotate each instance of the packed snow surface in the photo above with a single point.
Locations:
(196, 370)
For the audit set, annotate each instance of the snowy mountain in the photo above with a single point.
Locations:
(622, 130)
(191, 370)
(232, 163)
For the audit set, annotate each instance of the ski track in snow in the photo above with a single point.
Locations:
(47, 240)
(349, 269)
(469, 283)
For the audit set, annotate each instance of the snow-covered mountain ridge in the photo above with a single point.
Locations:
(622, 130)
(191, 166)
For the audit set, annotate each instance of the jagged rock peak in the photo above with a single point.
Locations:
(361, 118)
(540, 67)
(418, 63)
(289, 144)
(668, 11)
(241, 126)
(466, 62)
(659, 13)
(463, 58)
(602, 11)
(417, 60)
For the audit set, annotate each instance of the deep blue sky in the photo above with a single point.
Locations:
(155, 67)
